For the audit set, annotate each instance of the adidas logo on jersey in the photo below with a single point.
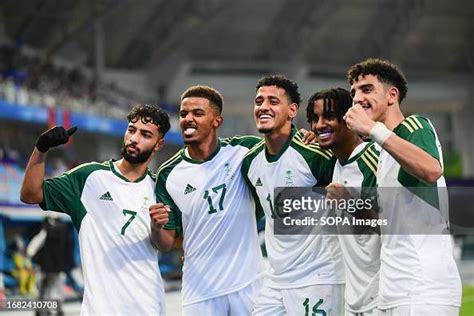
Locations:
(259, 183)
(189, 189)
(106, 196)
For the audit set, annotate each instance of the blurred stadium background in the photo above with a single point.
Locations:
(85, 62)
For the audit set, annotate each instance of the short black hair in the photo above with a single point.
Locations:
(385, 71)
(290, 87)
(215, 97)
(336, 100)
(150, 113)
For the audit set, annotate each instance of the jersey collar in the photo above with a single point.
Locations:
(120, 175)
(185, 155)
(273, 158)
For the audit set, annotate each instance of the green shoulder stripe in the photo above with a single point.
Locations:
(370, 159)
(298, 138)
(414, 121)
(162, 194)
(244, 170)
(250, 156)
(369, 180)
(169, 161)
(314, 148)
(321, 162)
(151, 174)
(256, 149)
(247, 141)
(368, 163)
(373, 152)
(63, 193)
(412, 124)
(419, 131)
(90, 167)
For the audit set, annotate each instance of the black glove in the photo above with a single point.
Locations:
(53, 137)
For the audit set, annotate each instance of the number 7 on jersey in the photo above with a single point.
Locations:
(132, 214)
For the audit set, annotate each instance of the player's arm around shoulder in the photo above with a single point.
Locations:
(320, 161)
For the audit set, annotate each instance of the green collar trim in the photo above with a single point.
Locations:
(198, 162)
(118, 174)
(273, 158)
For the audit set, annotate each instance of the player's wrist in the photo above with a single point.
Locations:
(155, 226)
(380, 133)
(41, 145)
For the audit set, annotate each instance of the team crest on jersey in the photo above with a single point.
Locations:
(189, 189)
(144, 207)
(288, 177)
(227, 170)
(106, 197)
(259, 183)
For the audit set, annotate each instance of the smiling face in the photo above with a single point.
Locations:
(273, 110)
(198, 120)
(330, 132)
(374, 96)
(140, 141)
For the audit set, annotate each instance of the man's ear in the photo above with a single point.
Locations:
(159, 144)
(293, 110)
(393, 95)
(218, 121)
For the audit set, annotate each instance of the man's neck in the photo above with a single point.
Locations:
(275, 141)
(203, 150)
(345, 150)
(132, 171)
(393, 117)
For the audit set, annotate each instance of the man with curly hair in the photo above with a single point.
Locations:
(418, 274)
(108, 203)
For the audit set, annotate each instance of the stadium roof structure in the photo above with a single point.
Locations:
(425, 36)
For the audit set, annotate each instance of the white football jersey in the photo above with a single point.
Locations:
(295, 260)
(415, 269)
(213, 209)
(119, 263)
(361, 252)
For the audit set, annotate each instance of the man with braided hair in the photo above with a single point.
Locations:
(353, 178)
(108, 203)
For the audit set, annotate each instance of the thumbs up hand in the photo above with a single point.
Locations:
(54, 137)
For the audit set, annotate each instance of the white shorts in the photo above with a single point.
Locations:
(416, 310)
(235, 303)
(320, 300)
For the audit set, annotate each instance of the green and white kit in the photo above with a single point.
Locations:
(361, 252)
(415, 269)
(296, 260)
(112, 218)
(212, 207)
